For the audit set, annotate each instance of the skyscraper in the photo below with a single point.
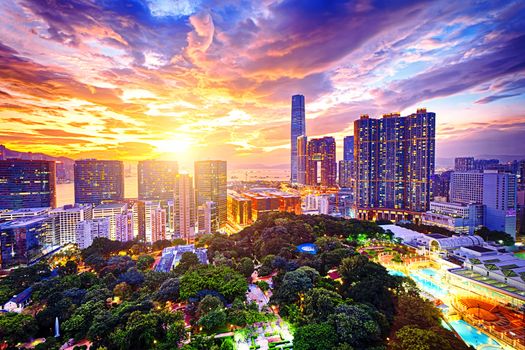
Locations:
(98, 180)
(298, 128)
(27, 184)
(302, 143)
(210, 185)
(321, 151)
(466, 187)
(207, 218)
(463, 164)
(348, 148)
(152, 221)
(156, 179)
(184, 207)
(395, 158)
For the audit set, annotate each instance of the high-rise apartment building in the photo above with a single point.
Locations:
(348, 148)
(321, 168)
(111, 211)
(88, 230)
(124, 226)
(64, 221)
(152, 221)
(27, 184)
(207, 219)
(184, 207)
(211, 186)
(463, 164)
(97, 181)
(156, 179)
(346, 173)
(302, 159)
(395, 159)
(441, 185)
(298, 128)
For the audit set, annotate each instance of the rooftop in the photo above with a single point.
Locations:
(110, 206)
(21, 222)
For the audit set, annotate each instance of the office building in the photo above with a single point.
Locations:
(298, 128)
(464, 164)
(456, 217)
(156, 179)
(302, 158)
(265, 200)
(207, 218)
(111, 211)
(346, 173)
(88, 230)
(210, 186)
(466, 187)
(23, 240)
(27, 184)
(184, 207)
(321, 168)
(98, 181)
(348, 148)
(64, 221)
(394, 161)
(500, 200)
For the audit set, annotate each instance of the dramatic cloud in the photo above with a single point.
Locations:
(212, 79)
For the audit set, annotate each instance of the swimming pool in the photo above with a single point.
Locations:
(396, 273)
(472, 336)
(423, 278)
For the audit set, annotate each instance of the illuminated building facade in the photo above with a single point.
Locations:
(22, 240)
(27, 184)
(348, 148)
(156, 179)
(207, 218)
(239, 209)
(463, 164)
(395, 159)
(321, 168)
(88, 230)
(111, 211)
(64, 221)
(210, 185)
(97, 181)
(298, 128)
(302, 157)
(346, 173)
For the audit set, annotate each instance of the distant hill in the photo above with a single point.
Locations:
(64, 164)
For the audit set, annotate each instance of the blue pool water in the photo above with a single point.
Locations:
(429, 272)
(428, 286)
(472, 336)
(396, 273)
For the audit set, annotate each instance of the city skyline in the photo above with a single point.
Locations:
(111, 88)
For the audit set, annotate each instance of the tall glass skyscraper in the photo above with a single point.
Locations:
(395, 159)
(210, 185)
(27, 184)
(156, 179)
(348, 148)
(98, 180)
(298, 129)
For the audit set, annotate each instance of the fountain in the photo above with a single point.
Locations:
(57, 328)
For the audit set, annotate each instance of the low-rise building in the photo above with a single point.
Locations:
(171, 256)
(456, 217)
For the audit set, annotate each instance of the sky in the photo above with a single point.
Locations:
(209, 79)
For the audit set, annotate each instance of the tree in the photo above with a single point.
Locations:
(144, 262)
(169, 290)
(133, 277)
(315, 336)
(496, 236)
(222, 279)
(319, 304)
(213, 320)
(293, 283)
(209, 303)
(246, 267)
(187, 261)
(414, 310)
(411, 337)
(122, 290)
(355, 325)
(16, 328)
(140, 332)
(70, 268)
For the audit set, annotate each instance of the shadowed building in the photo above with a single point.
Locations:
(298, 128)
(210, 186)
(97, 181)
(321, 168)
(156, 179)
